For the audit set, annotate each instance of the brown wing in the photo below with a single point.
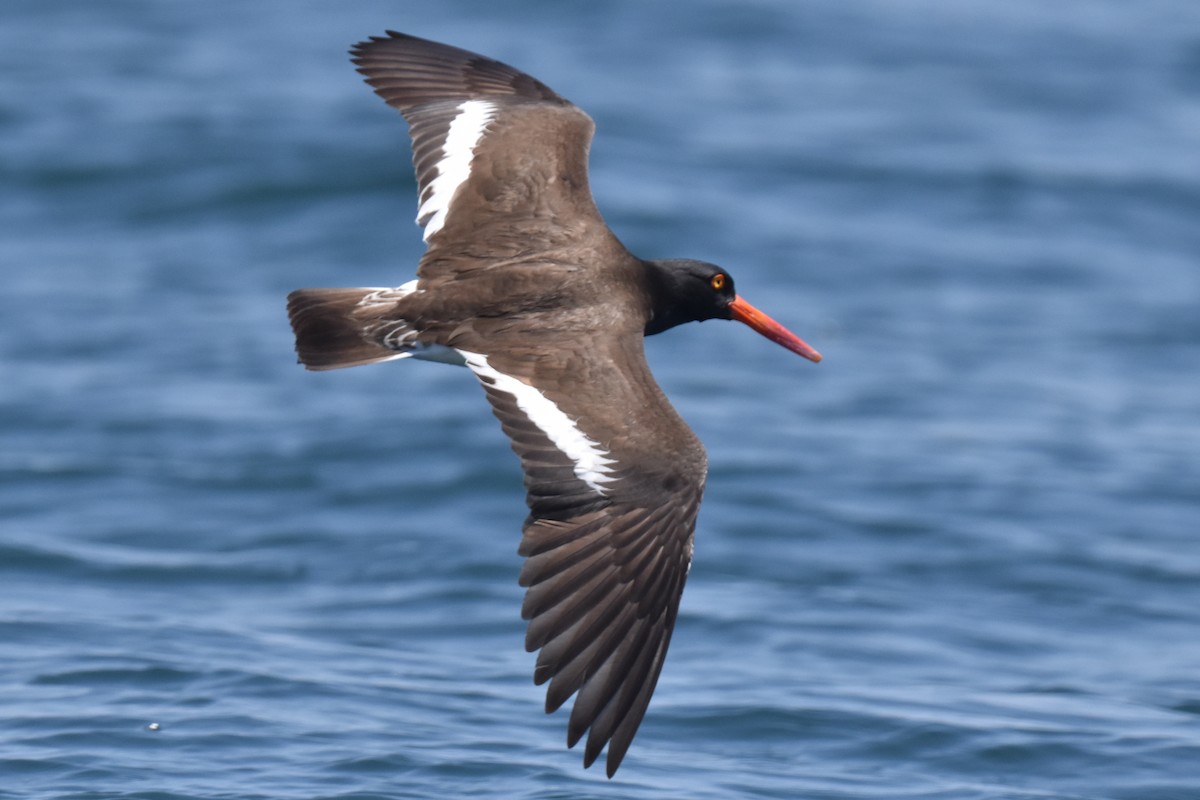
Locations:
(500, 159)
(614, 480)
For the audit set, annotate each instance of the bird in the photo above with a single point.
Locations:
(524, 283)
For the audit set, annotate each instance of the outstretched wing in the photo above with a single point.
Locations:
(500, 158)
(614, 480)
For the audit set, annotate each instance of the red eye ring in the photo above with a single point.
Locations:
(718, 281)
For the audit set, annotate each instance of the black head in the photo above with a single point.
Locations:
(683, 290)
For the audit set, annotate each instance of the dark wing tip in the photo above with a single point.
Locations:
(407, 70)
(602, 599)
(359, 48)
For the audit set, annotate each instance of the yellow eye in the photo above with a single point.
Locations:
(718, 281)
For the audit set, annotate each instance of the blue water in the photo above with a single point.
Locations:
(959, 559)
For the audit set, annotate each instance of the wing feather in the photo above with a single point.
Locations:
(462, 107)
(605, 565)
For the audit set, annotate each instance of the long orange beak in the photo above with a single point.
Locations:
(744, 312)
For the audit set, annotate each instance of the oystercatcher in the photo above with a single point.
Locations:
(524, 284)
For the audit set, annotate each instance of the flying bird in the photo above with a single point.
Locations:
(524, 284)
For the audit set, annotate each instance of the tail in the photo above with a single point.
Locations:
(328, 334)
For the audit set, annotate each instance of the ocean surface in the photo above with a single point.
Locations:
(957, 560)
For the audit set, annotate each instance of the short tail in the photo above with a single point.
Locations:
(328, 335)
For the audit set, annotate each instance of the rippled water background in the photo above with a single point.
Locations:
(958, 559)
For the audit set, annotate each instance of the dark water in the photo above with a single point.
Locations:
(958, 559)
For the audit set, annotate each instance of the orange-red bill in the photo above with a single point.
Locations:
(744, 312)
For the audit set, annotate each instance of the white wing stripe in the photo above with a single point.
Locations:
(464, 134)
(592, 462)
